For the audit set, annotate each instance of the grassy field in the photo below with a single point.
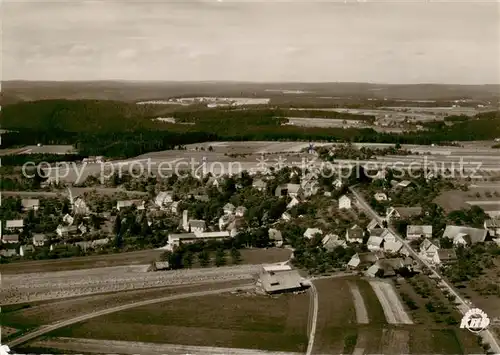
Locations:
(249, 256)
(229, 320)
(24, 317)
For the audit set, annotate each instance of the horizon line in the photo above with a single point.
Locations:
(158, 81)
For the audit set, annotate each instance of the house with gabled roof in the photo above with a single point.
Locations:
(285, 216)
(445, 256)
(67, 219)
(362, 260)
(14, 225)
(337, 184)
(402, 212)
(39, 239)
(414, 232)
(139, 204)
(374, 243)
(393, 247)
(354, 234)
(374, 224)
(332, 241)
(428, 250)
(10, 238)
(345, 202)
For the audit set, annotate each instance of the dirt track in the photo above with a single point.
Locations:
(359, 304)
(42, 286)
(393, 308)
(128, 347)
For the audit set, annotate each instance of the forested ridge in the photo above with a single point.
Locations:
(119, 129)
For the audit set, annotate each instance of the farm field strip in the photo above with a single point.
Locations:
(392, 306)
(359, 304)
(37, 287)
(129, 347)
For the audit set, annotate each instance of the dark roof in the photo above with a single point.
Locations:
(10, 237)
(406, 212)
(447, 254)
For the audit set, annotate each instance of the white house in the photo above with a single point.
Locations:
(164, 198)
(225, 220)
(30, 204)
(374, 243)
(428, 250)
(228, 208)
(174, 207)
(286, 216)
(292, 190)
(68, 219)
(354, 234)
(312, 232)
(344, 202)
(39, 239)
(380, 196)
(418, 231)
(292, 203)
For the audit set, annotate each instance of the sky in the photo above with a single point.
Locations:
(400, 41)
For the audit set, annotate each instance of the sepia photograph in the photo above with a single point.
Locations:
(250, 177)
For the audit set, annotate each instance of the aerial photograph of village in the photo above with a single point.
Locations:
(243, 177)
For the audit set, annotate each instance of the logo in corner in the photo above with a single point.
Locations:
(475, 320)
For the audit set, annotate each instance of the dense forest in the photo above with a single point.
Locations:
(118, 129)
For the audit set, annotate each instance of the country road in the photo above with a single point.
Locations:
(488, 336)
(49, 328)
(313, 314)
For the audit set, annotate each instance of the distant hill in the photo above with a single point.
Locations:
(75, 116)
(15, 91)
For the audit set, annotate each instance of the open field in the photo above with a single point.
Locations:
(128, 347)
(48, 149)
(243, 320)
(393, 308)
(23, 317)
(486, 196)
(62, 284)
(142, 257)
(359, 304)
(233, 157)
